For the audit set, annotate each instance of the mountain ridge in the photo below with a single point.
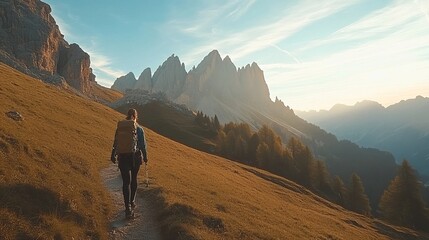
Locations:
(213, 75)
(400, 128)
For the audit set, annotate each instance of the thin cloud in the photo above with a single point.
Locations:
(397, 59)
(375, 25)
(287, 53)
(206, 18)
(423, 6)
(104, 82)
(241, 9)
(103, 63)
(243, 43)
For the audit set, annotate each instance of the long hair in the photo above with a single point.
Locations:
(131, 112)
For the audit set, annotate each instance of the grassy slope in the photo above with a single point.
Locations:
(250, 203)
(49, 181)
(103, 94)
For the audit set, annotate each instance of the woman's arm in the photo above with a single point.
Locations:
(141, 142)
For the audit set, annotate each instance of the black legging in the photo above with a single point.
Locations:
(129, 173)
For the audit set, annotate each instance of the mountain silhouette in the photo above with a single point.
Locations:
(401, 128)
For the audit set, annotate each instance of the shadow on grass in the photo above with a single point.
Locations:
(30, 203)
(378, 226)
(395, 234)
(174, 218)
(288, 184)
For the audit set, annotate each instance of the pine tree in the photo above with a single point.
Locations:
(198, 118)
(221, 143)
(357, 199)
(230, 144)
(240, 148)
(340, 191)
(295, 146)
(262, 155)
(305, 164)
(402, 201)
(253, 145)
(321, 180)
(216, 123)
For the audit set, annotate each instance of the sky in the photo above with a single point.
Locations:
(314, 54)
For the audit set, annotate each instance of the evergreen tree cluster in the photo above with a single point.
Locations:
(264, 149)
(206, 122)
(402, 202)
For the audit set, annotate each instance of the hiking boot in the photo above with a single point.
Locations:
(129, 214)
(133, 205)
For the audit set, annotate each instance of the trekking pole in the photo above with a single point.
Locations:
(147, 175)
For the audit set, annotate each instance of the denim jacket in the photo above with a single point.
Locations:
(141, 141)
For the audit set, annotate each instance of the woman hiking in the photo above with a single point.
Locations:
(129, 148)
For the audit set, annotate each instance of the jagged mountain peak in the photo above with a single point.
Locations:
(255, 66)
(214, 53)
(170, 77)
(213, 83)
(125, 82)
(227, 59)
(174, 60)
(130, 74)
(145, 71)
(211, 59)
(145, 80)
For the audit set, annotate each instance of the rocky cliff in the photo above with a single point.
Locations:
(125, 82)
(215, 86)
(145, 80)
(31, 42)
(169, 78)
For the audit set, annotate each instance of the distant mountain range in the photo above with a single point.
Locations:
(217, 87)
(402, 128)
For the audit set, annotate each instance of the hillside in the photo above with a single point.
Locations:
(51, 187)
(104, 95)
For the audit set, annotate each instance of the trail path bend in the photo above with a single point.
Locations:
(145, 225)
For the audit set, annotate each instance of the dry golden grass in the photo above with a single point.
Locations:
(50, 184)
(103, 94)
(49, 163)
(202, 191)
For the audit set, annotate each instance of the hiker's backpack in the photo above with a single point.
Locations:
(126, 137)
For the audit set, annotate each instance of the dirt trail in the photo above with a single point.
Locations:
(144, 226)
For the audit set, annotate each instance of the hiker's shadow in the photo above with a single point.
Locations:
(30, 203)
